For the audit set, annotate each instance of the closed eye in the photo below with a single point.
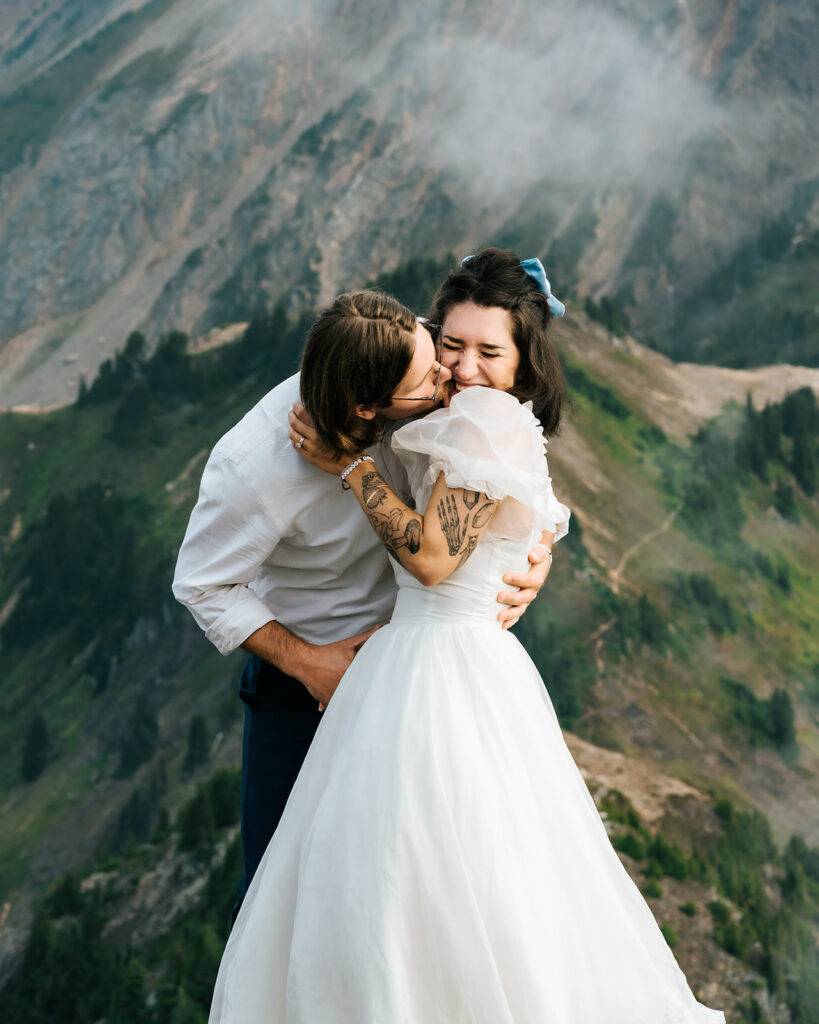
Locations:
(483, 354)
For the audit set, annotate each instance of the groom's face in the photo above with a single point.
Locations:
(413, 394)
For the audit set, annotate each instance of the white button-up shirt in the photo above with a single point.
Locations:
(272, 537)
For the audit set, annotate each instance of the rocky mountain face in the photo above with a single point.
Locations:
(183, 163)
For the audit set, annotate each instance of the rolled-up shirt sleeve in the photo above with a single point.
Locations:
(230, 534)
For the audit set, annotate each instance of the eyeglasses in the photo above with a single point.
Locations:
(437, 332)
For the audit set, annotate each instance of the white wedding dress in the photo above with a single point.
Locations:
(440, 860)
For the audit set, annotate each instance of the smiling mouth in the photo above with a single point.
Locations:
(463, 387)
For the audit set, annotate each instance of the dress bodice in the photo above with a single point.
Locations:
(468, 594)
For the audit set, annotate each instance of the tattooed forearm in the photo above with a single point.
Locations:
(455, 520)
(396, 527)
(412, 536)
(450, 521)
(373, 489)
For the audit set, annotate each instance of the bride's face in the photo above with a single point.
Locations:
(479, 349)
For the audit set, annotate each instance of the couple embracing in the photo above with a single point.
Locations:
(437, 856)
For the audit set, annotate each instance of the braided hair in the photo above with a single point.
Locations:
(357, 353)
(494, 277)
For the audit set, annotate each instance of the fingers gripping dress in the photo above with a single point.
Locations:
(440, 860)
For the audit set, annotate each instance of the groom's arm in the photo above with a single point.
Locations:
(230, 534)
(318, 666)
(529, 583)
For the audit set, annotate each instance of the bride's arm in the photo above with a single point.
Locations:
(431, 546)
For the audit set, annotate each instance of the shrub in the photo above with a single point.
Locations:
(198, 744)
(771, 719)
(618, 807)
(698, 592)
(139, 743)
(781, 718)
(628, 843)
(785, 502)
(197, 831)
(36, 749)
(666, 858)
(600, 395)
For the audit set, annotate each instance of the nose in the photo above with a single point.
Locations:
(446, 373)
(464, 366)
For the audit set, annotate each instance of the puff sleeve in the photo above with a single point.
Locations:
(485, 441)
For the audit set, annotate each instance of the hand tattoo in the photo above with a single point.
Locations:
(451, 523)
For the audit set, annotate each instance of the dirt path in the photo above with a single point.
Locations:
(616, 574)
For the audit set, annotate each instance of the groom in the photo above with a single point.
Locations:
(279, 560)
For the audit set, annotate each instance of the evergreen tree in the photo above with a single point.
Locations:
(132, 414)
(198, 744)
(225, 791)
(139, 743)
(197, 832)
(134, 821)
(128, 1002)
(82, 394)
(803, 463)
(66, 897)
(781, 722)
(651, 624)
(35, 960)
(36, 749)
(785, 502)
(771, 424)
(185, 1011)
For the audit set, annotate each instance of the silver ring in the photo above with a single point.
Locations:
(300, 442)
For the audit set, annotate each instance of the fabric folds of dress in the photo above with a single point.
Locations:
(440, 860)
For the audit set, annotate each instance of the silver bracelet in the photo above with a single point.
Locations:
(345, 472)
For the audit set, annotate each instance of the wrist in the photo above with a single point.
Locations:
(355, 466)
(296, 656)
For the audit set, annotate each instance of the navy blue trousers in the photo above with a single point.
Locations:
(281, 719)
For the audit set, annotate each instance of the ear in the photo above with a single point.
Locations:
(365, 412)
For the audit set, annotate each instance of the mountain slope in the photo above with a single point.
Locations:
(171, 163)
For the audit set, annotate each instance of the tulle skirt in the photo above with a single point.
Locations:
(440, 860)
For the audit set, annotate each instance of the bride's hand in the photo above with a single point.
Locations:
(306, 441)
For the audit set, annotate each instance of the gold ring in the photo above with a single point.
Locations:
(300, 442)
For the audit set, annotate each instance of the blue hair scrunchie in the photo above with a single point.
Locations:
(535, 269)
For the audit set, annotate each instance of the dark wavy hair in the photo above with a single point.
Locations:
(357, 353)
(494, 277)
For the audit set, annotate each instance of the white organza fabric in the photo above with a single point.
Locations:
(486, 441)
(440, 860)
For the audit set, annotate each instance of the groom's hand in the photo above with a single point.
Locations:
(325, 664)
(529, 583)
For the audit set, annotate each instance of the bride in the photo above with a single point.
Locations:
(440, 860)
